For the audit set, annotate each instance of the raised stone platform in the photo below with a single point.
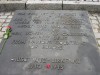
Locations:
(45, 4)
(12, 5)
(81, 5)
(89, 5)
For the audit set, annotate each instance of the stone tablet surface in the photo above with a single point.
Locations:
(48, 42)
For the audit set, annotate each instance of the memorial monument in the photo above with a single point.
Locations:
(49, 42)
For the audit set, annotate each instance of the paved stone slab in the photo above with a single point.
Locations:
(8, 20)
(5, 24)
(4, 29)
(10, 17)
(8, 13)
(79, 5)
(2, 20)
(50, 43)
(44, 4)
(3, 16)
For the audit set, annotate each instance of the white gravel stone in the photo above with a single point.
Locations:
(12, 13)
(0, 24)
(95, 31)
(3, 16)
(4, 29)
(97, 35)
(8, 20)
(95, 26)
(2, 20)
(95, 14)
(0, 28)
(0, 40)
(1, 34)
(10, 16)
(8, 13)
(92, 17)
(99, 17)
(5, 24)
(94, 22)
(99, 42)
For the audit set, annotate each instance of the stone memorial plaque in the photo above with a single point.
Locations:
(48, 42)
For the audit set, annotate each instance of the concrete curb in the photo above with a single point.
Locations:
(89, 6)
(12, 5)
(49, 5)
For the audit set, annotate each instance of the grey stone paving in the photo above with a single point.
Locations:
(5, 18)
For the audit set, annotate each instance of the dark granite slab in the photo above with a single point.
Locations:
(48, 42)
